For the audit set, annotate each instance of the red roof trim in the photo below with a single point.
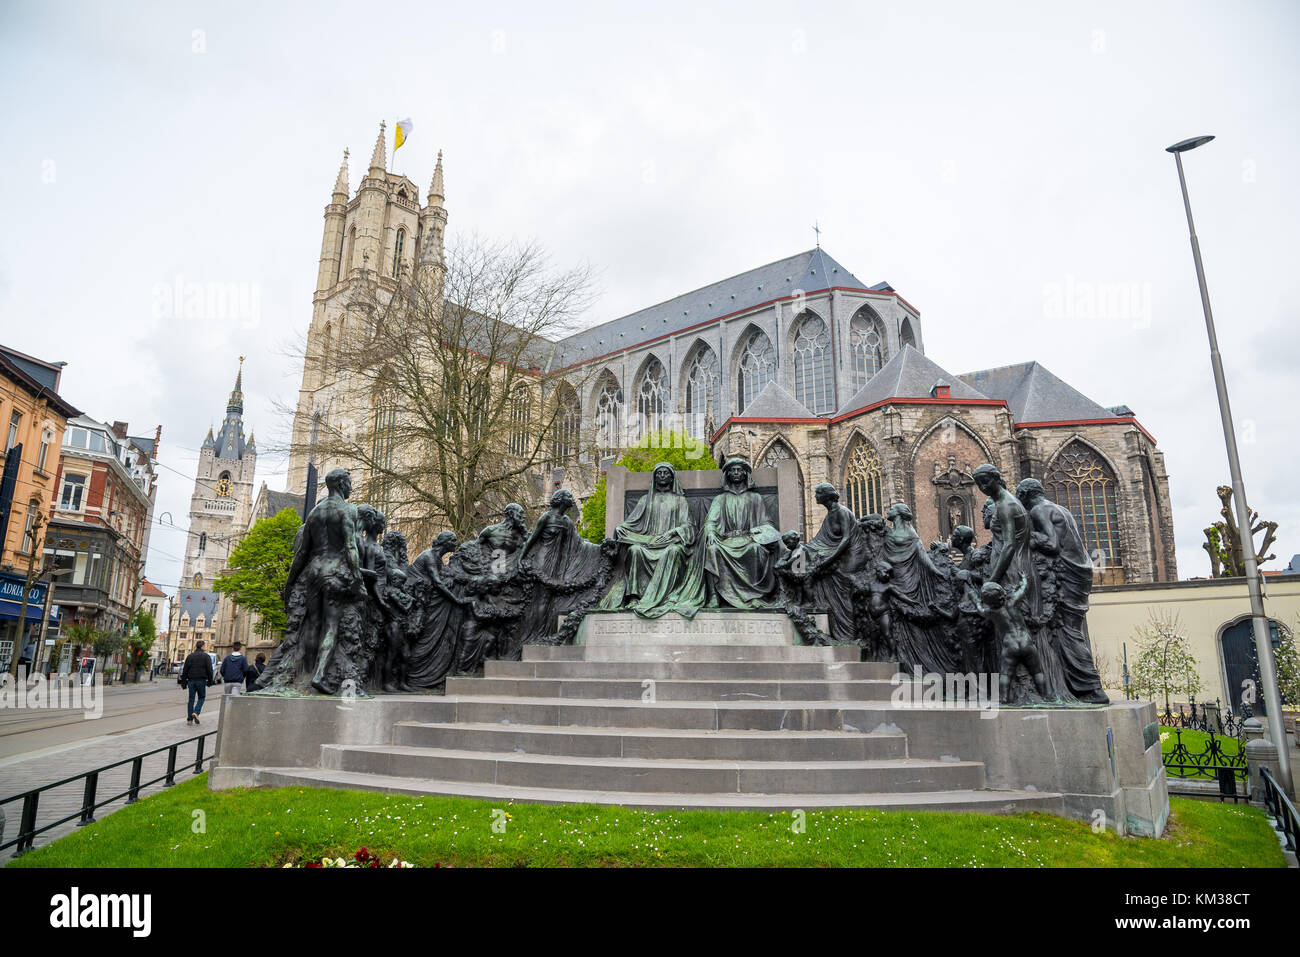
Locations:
(732, 315)
(917, 400)
(1119, 420)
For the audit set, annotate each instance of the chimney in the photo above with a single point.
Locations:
(119, 429)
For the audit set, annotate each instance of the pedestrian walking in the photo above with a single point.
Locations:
(254, 672)
(196, 675)
(234, 670)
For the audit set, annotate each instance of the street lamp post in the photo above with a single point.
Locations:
(1263, 647)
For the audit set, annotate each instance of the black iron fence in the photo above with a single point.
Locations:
(91, 802)
(1206, 717)
(1214, 757)
(1281, 810)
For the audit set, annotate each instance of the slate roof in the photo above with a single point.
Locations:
(1035, 395)
(197, 601)
(143, 443)
(36, 369)
(773, 402)
(811, 269)
(277, 502)
(908, 375)
(38, 377)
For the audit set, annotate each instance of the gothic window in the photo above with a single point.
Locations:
(777, 451)
(203, 542)
(383, 442)
(609, 414)
(346, 259)
(568, 419)
(520, 412)
(397, 253)
(866, 346)
(812, 364)
(702, 381)
(1080, 480)
(864, 480)
(327, 348)
(757, 367)
(906, 337)
(652, 397)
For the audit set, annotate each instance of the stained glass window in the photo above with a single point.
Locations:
(652, 397)
(812, 365)
(777, 451)
(702, 382)
(609, 414)
(520, 412)
(757, 367)
(1079, 479)
(866, 346)
(567, 422)
(864, 480)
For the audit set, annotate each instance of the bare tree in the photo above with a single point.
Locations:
(1223, 540)
(451, 401)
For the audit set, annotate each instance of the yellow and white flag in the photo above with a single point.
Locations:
(404, 128)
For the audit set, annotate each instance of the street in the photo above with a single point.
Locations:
(38, 746)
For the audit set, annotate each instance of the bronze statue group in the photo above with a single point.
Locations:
(362, 619)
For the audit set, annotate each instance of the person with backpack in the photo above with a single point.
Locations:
(196, 675)
(254, 672)
(234, 670)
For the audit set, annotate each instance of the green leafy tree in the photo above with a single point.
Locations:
(259, 570)
(140, 641)
(1287, 661)
(677, 449)
(1165, 664)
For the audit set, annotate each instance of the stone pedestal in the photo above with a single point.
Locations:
(709, 627)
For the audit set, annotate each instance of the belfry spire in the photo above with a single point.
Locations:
(341, 182)
(378, 159)
(436, 187)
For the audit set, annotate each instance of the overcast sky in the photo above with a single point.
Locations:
(998, 164)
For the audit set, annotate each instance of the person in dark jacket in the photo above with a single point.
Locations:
(254, 672)
(235, 669)
(196, 674)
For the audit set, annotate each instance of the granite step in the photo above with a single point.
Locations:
(696, 670)
(983, 801)
(703, 715)
(659, 652)
(655, 744)
(673, 690)
(649, 775)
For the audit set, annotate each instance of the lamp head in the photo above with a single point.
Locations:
(1185, 145)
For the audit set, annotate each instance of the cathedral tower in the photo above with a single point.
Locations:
(377, 235)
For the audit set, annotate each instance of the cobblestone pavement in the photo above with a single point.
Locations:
(24, 771)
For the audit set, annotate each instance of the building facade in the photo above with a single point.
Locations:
(33, 417)
(219, 514)
(98, 537)
(794, 359)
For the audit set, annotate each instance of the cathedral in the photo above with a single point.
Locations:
(219, 513)
(797, 359)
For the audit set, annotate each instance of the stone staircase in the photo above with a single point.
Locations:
(725, 726)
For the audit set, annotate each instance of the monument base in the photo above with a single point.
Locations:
(714, 626)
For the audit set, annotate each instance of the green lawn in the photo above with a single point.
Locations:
(268, 827)
(1196, 742)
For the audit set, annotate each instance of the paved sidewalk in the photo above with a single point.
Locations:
(28, 771)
